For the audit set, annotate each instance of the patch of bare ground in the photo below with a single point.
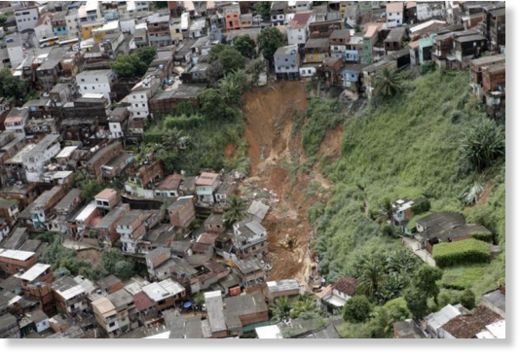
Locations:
(277, 160)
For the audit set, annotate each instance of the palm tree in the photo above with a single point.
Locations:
(370, 275)
(281, 309)
(387, 83)
(235, 209)
(304, 307)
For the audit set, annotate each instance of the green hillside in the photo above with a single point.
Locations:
(409, 146)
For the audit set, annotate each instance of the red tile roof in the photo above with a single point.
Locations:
(300, 19)
(346, 285)
(468, 325)
(171, 182)
(142, 302)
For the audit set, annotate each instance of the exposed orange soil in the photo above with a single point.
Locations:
(276, 156)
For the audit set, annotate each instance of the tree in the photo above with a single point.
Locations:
(255, 68)
(235, 210)
(417, 302)
(130, 65)
(90, 188)
(387, 83)
(124, 269)
(386, 210)
(397, 309)
(231, 87)
(370, 272)
(146, 54)
(483, 144)
(281, 309)
(357, 309)
(467, 299)
(269, 40)
(305, 307)
(263, 8)
(245, 45)
(109, 259)
(229, 58)
(425, 279)
(216, 109)
(11, 87)
(215, 71)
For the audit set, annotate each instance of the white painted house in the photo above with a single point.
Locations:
(15, 50)
(71, 22)
(35, 160)
(95, 82)
(26, 18)
(138, 98)
(394, 14)
(298, 28)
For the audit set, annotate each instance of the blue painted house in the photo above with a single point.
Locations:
(351, 76)
(59, 26)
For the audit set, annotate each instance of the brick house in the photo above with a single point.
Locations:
(182, 212)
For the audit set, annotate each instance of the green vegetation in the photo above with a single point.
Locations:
(235, 210)
(392, 150)
(280, 310)
(263, 8)
(465, 251)
(245, 45)
(408, 146)
(483, 144)
(383, 273)
(90, 188)
(207, 128)
(227, 58)
(422, 288)
(269, 40)
(135, 64)
(112, 262)
(388, 83)
(321, 116)
(357, 309)
(380, 321)
(467, 299)
(10, 87)
(303, 307)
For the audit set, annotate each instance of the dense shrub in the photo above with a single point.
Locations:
(183, 121)
(483, 144)
(422, 204)
(461, 252)
(357, 309)
(485, 237)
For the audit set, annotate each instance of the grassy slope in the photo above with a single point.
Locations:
(405, 148)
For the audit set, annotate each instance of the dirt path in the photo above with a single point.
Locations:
(276, 158)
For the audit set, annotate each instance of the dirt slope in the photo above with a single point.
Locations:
(276, 158)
